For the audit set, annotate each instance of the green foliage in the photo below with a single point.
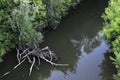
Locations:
(20, 21)
(16, 23)
(116, 50)
(40, 19)
(56, 9)
(112, 18)
(6, 34)
(111, 31)
(6, 41)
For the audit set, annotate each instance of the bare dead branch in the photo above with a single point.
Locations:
(33, 62)
(31, 55)
(12, 69)
(28, 54)
(18, 56)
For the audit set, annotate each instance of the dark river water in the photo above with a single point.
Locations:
(76, 43)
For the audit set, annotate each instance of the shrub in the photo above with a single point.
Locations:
(6, 33)
(40, 19)
(56, 9)
(20, 21)
(116, 50)
(111, 31)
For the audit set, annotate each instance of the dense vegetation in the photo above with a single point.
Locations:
(112, 31)
(22, 20)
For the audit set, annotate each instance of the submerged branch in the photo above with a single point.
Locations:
(33, 62)
(13, 68)
(32, 54)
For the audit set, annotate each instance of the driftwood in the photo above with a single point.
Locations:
(32, 54)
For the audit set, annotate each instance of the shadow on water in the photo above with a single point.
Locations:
(107, 68)
(74, 43)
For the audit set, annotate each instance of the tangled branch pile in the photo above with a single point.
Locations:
(32, 54)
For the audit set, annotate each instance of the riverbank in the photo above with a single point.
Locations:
(111, 32)
(71, 41)
(21, 21)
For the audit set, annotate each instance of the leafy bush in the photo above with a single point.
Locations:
(111, 31)
(40, 19)
(20, 21)
(112, 18)
(18, 24)
(56, 9)
(116, 50)
(6, 34)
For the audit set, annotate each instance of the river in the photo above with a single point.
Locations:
(75, 42)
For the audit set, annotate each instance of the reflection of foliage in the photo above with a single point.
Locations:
(86, 44)
(111, 30)
(107, 68)
(90, 44)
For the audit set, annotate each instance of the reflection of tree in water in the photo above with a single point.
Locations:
(86, 44)
(107, 68)
(66, 54)
(44, 72)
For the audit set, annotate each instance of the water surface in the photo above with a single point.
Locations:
(74, 43)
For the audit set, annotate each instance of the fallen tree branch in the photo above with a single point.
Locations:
(33, 62)
(13, 68)
(32, 54)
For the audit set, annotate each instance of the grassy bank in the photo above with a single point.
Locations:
(111, 31)
(22, 20)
